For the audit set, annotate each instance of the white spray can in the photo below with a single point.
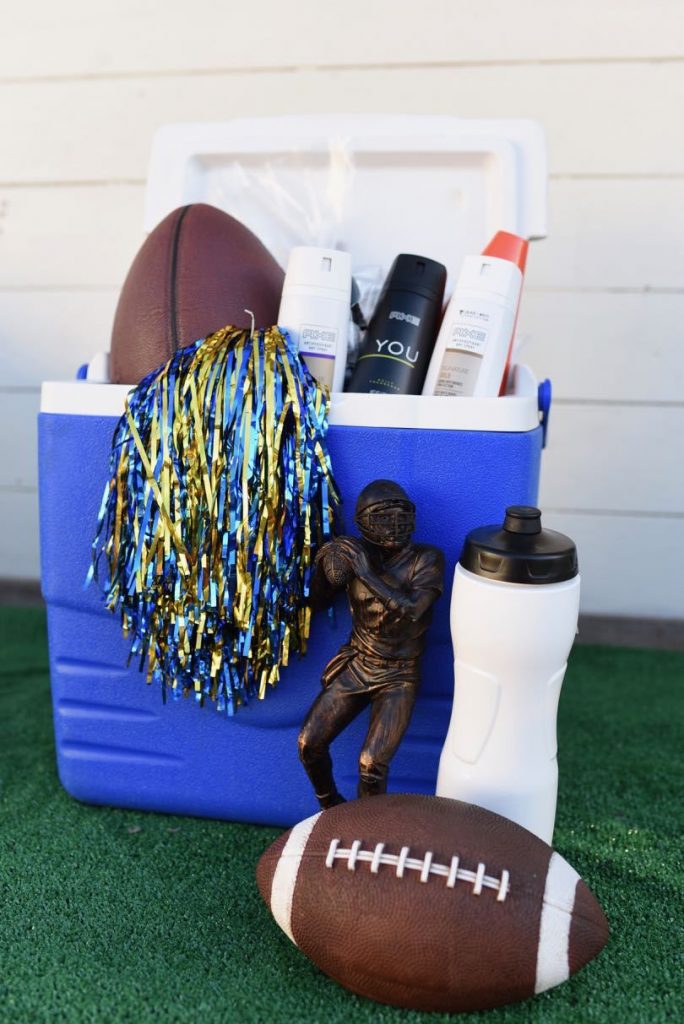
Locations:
(514, 609)
(472, 347)
(315, 309)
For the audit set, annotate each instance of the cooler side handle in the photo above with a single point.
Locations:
(545, 396)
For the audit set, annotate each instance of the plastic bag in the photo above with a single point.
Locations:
(298, 198)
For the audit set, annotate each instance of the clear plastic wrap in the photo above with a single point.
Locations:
(298, 198)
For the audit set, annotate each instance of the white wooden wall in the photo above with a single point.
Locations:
(84, 85)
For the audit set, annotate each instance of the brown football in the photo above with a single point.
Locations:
(430, 904)
(196, 272)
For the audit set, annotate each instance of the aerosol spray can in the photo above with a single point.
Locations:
(315, 310)
(514, 609)
(473, 349)
(395, 352)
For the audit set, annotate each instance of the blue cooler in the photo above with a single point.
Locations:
(462, 461)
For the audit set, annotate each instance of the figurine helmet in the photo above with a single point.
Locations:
(385, 514)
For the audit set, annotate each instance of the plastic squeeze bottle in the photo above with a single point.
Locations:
(473, 349)
(315, 310)
(514, 608)
(396, 348)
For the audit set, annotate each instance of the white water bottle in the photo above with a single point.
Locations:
(315, 309)
(472, 347)
(514, 609)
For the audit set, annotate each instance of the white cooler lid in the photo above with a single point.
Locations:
(435, 185)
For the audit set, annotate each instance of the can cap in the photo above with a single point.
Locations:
(508, 247)
(418, 274)
(312, 267)
(490, 274)
(520, 551)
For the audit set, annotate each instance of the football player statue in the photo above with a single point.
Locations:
(391, 586)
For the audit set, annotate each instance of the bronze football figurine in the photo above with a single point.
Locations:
(391, 586)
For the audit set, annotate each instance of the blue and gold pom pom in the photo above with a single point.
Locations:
(221, 492)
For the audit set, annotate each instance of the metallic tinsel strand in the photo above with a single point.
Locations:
(221, 492)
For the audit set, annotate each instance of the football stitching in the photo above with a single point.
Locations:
(402, 862)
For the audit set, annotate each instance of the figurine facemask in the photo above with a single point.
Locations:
(385, 514)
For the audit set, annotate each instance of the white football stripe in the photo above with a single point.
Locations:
(553, 965)
(285, 875)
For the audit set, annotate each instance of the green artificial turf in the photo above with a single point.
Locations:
(111, 915)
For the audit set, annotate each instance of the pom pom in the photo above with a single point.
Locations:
(221, 493)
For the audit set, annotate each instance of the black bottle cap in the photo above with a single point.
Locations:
(417, 274)
(520, 551)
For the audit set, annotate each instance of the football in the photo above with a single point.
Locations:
(430, 904)
(337, 568)
(198, 271)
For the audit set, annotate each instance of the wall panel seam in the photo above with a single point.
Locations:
(630, 176)
(616, 513)
(351, 67)
(634, 403)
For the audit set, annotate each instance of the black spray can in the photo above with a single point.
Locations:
(395, 352)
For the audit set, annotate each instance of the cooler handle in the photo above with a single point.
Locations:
(544, 397)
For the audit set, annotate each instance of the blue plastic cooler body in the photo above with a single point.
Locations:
(117, 743)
